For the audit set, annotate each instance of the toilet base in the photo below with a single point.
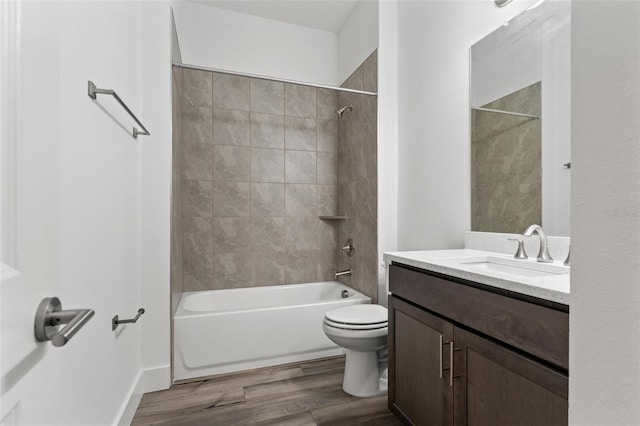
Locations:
(362, 374)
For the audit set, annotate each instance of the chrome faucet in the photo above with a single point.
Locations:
(341, 273)
(348, 248)
(543, 254)
(520, 254)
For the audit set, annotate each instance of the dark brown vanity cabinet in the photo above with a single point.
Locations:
(417, 364)
(462, 355)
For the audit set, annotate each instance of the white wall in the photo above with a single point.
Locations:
(100, 205)
(222, 39)
(155, 194)
(387, 136)
(358, 38)
(433, 116)
(604, 387)
(176, 56)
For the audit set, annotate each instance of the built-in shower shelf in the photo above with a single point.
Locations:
(332, 217)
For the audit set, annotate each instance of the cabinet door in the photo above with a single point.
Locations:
(419, 390)
(497, 386)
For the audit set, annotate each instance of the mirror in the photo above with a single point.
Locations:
(520, 123)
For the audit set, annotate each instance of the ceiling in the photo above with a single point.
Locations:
(326, 15)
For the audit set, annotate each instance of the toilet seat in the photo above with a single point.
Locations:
(343, 326)
(354, 334)
(357, 317)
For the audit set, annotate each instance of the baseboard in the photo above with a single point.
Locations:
(156, 378)
(131, 402)
(147, 380)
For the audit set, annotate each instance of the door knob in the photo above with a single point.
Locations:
(50, 315)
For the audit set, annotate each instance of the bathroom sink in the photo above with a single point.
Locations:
(511, 267)
(497, 267)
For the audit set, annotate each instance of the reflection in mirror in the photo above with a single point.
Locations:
(520, 137)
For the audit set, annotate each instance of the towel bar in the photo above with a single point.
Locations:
(93, 92)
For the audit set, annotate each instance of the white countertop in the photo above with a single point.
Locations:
(554, 288)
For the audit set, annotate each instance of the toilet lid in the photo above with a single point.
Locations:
(358, 315)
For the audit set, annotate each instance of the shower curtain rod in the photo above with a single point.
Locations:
(281, 80)
(499, 111)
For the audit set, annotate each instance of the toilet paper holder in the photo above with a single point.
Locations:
(115, 321)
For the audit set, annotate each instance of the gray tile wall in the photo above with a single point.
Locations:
(176, 192)
(357, 179)
(506, 166)
(259, 166)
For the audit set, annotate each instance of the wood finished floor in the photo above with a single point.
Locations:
(301, 394)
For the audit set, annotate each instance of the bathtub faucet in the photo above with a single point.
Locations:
(341, 273)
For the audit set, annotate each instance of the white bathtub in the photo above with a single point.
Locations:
(221, 331)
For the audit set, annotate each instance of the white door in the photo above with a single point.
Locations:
(29, 232)
(70, 208)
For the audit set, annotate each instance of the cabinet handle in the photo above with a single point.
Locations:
(451, 351)
(440, 349)
(451, 363)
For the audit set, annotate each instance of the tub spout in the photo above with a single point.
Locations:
(341, 273)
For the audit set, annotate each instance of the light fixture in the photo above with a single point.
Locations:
(501, 3)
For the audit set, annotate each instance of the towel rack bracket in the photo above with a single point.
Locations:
(92, 90)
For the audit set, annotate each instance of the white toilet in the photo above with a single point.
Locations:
(362, 331)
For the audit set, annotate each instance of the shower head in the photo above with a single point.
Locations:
(343, 109)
